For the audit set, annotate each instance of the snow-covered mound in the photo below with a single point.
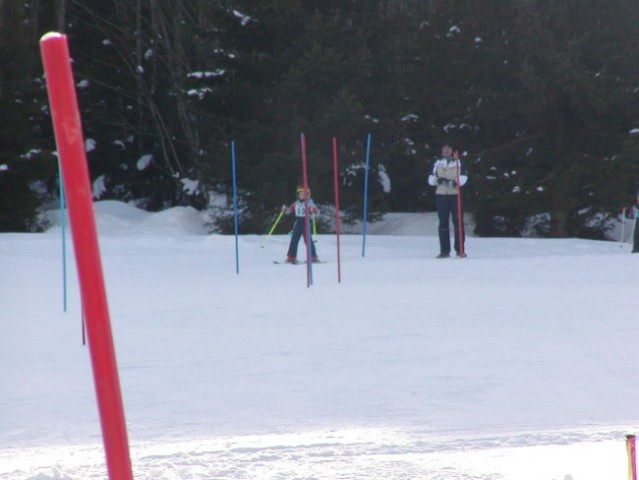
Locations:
(113, 217)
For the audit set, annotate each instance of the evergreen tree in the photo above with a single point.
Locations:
(573, 108)
(539, 97)
(27, 160)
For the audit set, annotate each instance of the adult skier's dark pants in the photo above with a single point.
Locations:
(299, 231)
(447, 208)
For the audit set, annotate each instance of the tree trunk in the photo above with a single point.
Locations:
(559, 223)
(2, 44)
(61, 13)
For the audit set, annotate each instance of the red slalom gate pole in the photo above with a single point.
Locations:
(336, 183)
(307, 225)
(460, 219)
(632, 460)
(69, 140)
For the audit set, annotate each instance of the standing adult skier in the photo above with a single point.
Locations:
(633, 212)
(448, 175)
(298, 208)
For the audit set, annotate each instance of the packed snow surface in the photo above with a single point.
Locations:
(516, 363)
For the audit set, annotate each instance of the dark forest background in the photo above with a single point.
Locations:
(539, 96)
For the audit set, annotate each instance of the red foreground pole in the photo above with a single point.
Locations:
(75, 174)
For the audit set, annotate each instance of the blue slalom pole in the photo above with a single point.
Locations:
(235, 214)
(366, 168)
(64, 243)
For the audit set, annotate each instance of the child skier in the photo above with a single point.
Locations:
(299, 227)
(633, 212)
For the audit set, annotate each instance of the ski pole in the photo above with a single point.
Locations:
(277, 220)
(314, 225)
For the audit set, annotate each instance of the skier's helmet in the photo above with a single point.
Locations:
(301, 189)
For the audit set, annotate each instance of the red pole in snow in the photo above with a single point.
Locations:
(631, 441)
(336, 183)
(307, 225)
(460, 213)
(75, 174)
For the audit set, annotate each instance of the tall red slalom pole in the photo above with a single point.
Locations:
(460, 219)
(70, 144)
(336, 188)
(307, 223)
(632, 460)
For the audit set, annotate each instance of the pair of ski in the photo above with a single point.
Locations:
(296, 263)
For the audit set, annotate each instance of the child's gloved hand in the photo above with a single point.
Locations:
(283, 208)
